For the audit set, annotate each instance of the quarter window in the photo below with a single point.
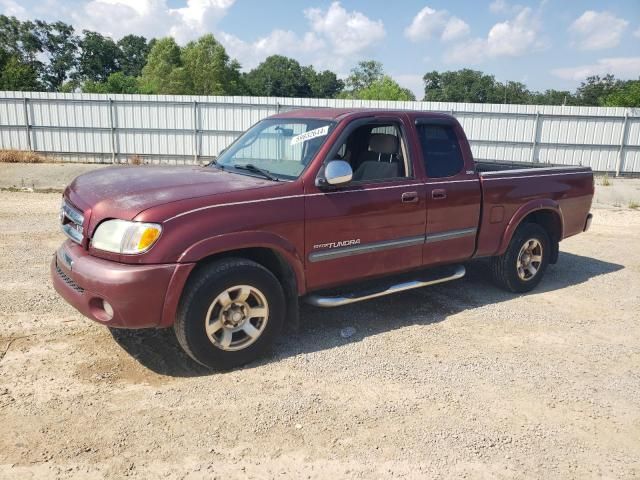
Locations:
(440, 150)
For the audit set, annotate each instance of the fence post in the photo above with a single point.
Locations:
(534, 143)
(27, 125)
(113, 132)
(622, 140)
(195, 131)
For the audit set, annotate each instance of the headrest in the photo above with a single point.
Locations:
(383, 143)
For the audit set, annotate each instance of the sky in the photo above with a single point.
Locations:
(544, 44)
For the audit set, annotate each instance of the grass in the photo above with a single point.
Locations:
(605, 181)
(20, 156)
(136, 160)
(634, 205)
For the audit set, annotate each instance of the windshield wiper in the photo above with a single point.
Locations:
(215, 163)
(252, 168)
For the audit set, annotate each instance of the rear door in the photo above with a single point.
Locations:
(453, 193)
(369, 227)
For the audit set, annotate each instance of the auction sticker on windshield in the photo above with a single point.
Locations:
(303, 137)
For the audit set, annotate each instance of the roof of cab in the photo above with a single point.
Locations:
(340, 113)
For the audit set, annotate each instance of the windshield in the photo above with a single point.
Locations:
(280, 147)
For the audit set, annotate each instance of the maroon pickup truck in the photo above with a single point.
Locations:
(329, 206)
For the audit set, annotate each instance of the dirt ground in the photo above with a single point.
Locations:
(453, 381)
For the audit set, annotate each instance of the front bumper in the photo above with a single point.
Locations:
(139, 296)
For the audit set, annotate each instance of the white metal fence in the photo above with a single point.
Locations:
(186, 129)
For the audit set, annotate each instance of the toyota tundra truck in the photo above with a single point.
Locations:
(327, 206)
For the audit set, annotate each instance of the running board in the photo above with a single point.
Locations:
(425, 279)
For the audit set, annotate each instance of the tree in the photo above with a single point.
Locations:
(325, 84)
(163, 72)
(236, 84)
(98, 57)
(278, 76)
(209, 70)
(627, 95)
(385, 88)
(17, 75)
(464, 85)
(20, 39)
(552, 97)
(117, 82)
(132, 54)
(284, 77)
(22, 46)
(364, 75)
(60, 46)
(513, 92)
(594, 89)
(368, 81)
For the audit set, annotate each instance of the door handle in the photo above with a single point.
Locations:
(409, 197)
(438, 194)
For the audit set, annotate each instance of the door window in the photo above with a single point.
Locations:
(376, 152)
(440, 150)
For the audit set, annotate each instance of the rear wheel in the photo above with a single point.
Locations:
(230, 313)
(524, 263)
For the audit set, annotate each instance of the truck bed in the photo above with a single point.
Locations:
(500, 165)
(510, 189)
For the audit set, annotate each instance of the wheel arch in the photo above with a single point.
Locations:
(269, 250)
(545, 213)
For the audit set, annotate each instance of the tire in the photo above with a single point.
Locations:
(514, 270)
(230, 313)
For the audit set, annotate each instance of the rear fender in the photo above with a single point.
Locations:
(241, 240)
(521, 214)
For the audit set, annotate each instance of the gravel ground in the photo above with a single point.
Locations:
(457, 380)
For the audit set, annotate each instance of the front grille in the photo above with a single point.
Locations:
(71, 221)
(69, 281)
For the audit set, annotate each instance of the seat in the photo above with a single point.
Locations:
(374, 170)
(380, 161)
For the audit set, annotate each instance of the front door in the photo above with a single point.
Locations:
(373, 226)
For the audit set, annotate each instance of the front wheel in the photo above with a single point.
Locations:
(229, 313)
(524, 263)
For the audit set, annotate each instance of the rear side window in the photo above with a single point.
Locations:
(440, 150)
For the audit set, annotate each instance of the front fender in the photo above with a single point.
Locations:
(241, 240)
(522, 212)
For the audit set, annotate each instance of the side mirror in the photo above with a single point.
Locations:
(337, 172)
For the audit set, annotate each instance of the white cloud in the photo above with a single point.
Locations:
(637, 33)
(504, 7)
(348, 33)
(429, 23)
(455, 28)
(511, 38)
(622, 67)
(413, 82)
(11, 8)
(597, 30)
(281, 42)
(514, 37)
(152, 18)
(473, 52)
(336, 37)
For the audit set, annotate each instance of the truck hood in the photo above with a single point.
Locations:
(124, 192)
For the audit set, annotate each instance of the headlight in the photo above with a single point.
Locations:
(122, 236)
